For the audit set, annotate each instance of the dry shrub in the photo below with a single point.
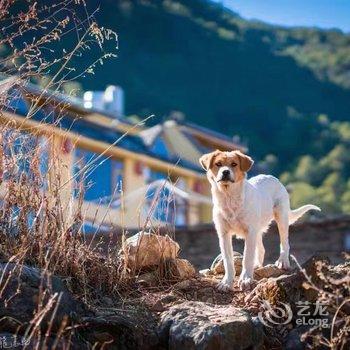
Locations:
(37, 230)
(36, 227)
(51, 44)
(333, 291)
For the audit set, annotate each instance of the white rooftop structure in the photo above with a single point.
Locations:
(110, 100)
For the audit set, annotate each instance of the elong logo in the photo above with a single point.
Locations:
(271, 316)
(309, 314)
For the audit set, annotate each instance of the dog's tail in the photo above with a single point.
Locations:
(295, 214)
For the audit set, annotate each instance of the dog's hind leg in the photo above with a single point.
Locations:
(281, 216)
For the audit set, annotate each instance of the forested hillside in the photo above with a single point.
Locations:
(232, 75)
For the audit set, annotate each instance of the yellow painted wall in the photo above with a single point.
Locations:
(206, 211)
(132, 212)
(193, 215)
(60, 174)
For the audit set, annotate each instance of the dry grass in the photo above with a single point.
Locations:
(38, 229)
(332, 288)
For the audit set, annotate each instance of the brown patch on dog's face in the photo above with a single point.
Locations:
(206, 161)
(226, 167)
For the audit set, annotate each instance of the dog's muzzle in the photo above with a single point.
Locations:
(226, 176)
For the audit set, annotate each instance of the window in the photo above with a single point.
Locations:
(101, 175)
(170, 207)
(181, 205)
(159, 147)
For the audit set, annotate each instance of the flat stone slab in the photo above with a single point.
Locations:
(198, 325)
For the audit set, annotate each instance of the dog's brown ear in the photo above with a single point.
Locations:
(245, 161)
(206, 161)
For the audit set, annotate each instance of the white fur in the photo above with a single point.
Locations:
(245, 209)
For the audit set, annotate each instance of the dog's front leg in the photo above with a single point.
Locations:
(225, 240)
(246, 277)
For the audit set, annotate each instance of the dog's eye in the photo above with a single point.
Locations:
(234, 164)
(218, 164)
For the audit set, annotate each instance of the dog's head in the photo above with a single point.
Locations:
(225, 168)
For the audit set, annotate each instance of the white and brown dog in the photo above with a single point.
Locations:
(245, 208)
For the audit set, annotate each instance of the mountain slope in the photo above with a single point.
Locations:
(268, 84)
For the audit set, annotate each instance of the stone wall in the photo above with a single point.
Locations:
(327, 236)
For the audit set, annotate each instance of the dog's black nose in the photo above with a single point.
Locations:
(226, 173)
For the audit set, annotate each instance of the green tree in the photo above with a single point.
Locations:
(307, 169)
(345, 199)
(337, 158)
(303, 193)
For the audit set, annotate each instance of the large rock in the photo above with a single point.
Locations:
(268, 271)
(217, 266)
(292, 285)
(196, 325)
(180, 269)
(285, 288)
(173, 270)
(130, 327)
(23, 288)
(147, 249)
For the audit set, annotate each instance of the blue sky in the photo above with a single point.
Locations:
(319, 13)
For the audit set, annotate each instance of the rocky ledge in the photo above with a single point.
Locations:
(169, 305)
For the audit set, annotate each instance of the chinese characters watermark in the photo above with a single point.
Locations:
(312, 314)
(10, 341)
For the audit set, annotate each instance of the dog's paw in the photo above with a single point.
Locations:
(225, 285)
(245, 282)
(283, 262)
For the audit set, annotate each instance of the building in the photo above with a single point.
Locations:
(131, 173)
